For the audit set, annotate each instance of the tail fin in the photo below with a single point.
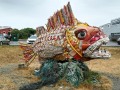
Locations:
(28, 53)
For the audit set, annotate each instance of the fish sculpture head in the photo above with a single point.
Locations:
(86, 41)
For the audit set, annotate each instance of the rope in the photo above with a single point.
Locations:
(71, 44)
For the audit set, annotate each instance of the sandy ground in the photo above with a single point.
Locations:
(11, 78)
(108, 67)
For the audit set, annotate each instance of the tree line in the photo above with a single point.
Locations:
(22, 33)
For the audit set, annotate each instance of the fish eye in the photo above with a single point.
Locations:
(80, 34)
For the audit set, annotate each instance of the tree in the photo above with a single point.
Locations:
(27, 32)
(15, 34)
(23, 33)
(15, 31)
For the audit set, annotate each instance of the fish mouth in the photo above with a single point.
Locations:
(93, 51)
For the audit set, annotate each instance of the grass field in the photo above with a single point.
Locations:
(111, 66)
(11, 77)
(10, 54)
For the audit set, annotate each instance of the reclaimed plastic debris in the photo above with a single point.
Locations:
(63, 47)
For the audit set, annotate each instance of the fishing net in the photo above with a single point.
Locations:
(49, 71)
(73, 72)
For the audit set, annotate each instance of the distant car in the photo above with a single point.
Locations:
(31, 39)
(3, 40)
(118, 41)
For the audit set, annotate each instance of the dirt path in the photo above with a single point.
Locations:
(11, 78)
(115, 80)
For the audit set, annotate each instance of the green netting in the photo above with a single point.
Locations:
(74, 74)
(63, 67)
(72, 71)
(49, 71)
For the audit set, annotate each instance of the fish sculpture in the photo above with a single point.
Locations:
(66, 39)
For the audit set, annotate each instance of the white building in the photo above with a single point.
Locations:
(112, 27)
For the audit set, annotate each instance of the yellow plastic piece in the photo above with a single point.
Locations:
(68, 40)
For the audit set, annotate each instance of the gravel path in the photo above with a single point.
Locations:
(115, 80)
(11, 76)
(7, 69)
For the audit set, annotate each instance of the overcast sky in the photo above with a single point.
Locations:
(33, 13)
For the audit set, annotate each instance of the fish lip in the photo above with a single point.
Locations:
(93, 50)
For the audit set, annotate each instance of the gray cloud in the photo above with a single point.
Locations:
(33, 13)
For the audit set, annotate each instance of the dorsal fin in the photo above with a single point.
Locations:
(63, 17)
